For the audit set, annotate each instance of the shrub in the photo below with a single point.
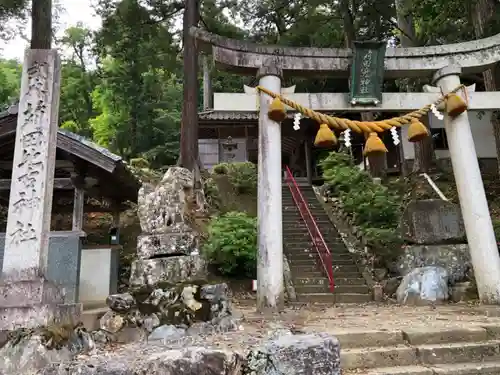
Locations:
(231, 245)
(242, 175)
(212, 194)
(374, 208)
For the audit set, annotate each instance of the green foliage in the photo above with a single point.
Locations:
(10, 79)
(375, 208)
(242, 175)
(231, 245)
(212, 194)
(496, 228)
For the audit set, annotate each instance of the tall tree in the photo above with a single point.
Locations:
(78, 80)
(484, 14)
(189, 126)
(41, 24)
(424, 151)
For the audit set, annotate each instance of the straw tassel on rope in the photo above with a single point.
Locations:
(277, 111)
(453, 107)
(417, 131)
(325, 137)
(374, 145)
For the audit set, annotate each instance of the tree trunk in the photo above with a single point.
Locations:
(424, 151)
(41, 24)
(482, 12)
(189, 127)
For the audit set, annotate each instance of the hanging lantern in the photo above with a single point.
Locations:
(374, 145)
(325, 137)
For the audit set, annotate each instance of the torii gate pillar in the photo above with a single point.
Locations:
(270, 287)
(478, 226)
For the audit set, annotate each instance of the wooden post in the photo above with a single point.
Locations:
(207, 84)
(307, 146)
(116, 216)
(478, 226)
(270, 287)
(78, 204)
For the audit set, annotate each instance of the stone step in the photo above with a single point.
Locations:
(352, 298)
(304, 252)
(344, 269)
(313, 273)
(334, 297)
(309, 270)
(305, 238)
(319, 280)
(348, 280)
(485, 368)
(433, 354)
(351, 338)
(327, 297)
(324, 288)
(294, 257)
(427, 336)
(332, 246)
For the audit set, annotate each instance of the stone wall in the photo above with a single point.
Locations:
(432, 221)
(486, 165)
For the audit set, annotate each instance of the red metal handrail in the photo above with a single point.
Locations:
(312, 227)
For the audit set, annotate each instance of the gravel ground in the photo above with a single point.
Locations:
(254, 328)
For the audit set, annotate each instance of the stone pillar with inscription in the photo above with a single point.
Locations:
(27, 297)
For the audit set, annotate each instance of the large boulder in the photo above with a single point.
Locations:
(151, 272)
(317, 354)
(162, 207)
(455, 259)
(432, 221)
(423, 286)
(29, 351)
(155, 361)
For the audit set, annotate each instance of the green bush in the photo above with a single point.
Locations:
(496, 227)
(374, 208)
(212, 194)
(231, 245)
(242, 175)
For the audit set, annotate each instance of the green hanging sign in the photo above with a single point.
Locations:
(367, 73)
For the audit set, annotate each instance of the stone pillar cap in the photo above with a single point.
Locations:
(448, 70)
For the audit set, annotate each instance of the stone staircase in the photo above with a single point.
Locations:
(308, 276)
(472, 350)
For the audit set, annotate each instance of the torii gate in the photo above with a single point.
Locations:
(446, 62)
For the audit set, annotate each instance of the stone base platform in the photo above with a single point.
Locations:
(12, 318)
(29, 292)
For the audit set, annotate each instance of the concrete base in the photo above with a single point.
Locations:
(12, 318)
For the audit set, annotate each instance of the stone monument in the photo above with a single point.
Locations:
(27, 297)
(167, 250)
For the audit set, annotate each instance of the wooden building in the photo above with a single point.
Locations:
(88, 178)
